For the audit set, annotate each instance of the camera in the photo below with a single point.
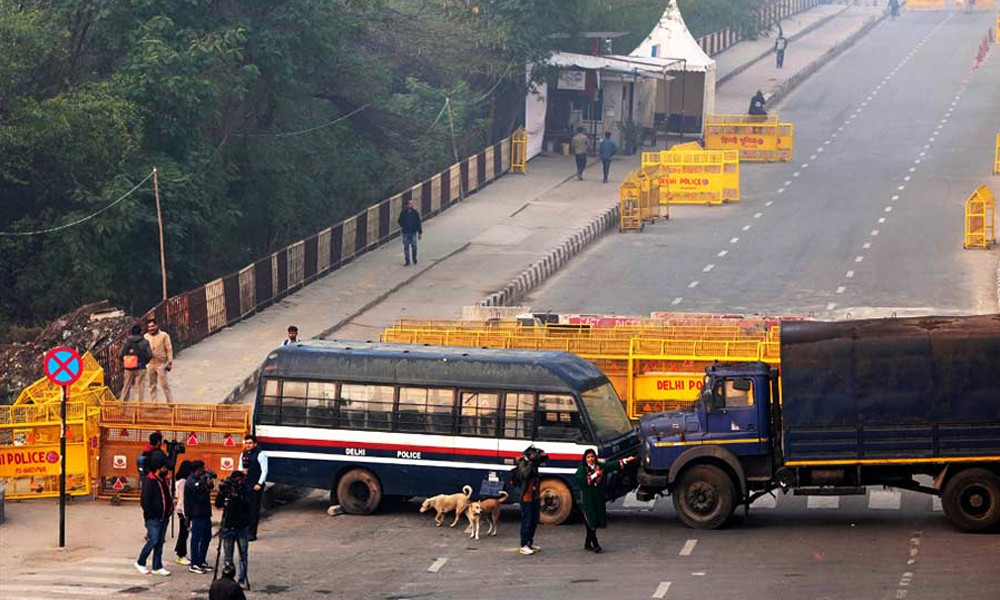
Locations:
(536, 455)
(175, 447)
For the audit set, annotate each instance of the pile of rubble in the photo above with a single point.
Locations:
(89, 327)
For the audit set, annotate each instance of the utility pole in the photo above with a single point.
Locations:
(159, 219)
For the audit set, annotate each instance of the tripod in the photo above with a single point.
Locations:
(218, 547)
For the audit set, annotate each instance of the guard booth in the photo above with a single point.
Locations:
(980, 217)
(29, 449)
(629, 207)
(758, 138)
(695, 176)
(210, 432)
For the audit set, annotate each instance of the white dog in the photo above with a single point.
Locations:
(445, 503)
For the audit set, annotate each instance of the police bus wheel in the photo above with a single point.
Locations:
(359, 492)
(971, 500)
(705, 497)
(556, 501)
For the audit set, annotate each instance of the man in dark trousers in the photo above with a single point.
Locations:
(234, 499)
(606, 149)
(225, 587)
(412, 230)
(135, 355)
(526, 481)
(253, 462)
(157, 502)
(580, 145)
(198, 510)
(779, 49)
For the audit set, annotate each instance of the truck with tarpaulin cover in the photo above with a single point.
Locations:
(908, 403)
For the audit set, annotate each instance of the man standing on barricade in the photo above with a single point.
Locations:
(234, 500)
(253, 461)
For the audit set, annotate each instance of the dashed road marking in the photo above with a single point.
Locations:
(874, 232)
(866, 246)
(841, 289)
(734, 240)
(758, 215)
(688, 547)
(849, 274)
(436, 565)
(677, 300)
(769, 203)
(881, 219)
(781, 190)
(708, 268)
(693, 284)
(831, 306)
(722, 253)
(746, 228)
(661, 590)
(858, 259)
(888, 209)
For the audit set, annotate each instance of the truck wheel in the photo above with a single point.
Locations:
(359, 492)
(705, 497)
(971, 500)
(556, 500)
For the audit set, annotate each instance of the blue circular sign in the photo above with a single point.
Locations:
(63, 365)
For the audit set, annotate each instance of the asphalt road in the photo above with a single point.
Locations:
(883, 545)
(890, 139)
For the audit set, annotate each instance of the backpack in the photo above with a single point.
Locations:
(131, 358)
(140, 464)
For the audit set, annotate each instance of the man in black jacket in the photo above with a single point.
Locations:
(234, 499)
(198, 510)
(253, 462)
(225, 588)
(157, 505)
(411, 229)
(135, 354)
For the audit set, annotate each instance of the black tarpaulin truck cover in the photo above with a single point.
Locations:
(910, 381)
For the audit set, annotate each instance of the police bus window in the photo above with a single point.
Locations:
(519, 416)
(558, 418)
(478, 414)
(736, 397)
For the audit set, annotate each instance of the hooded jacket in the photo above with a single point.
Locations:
(156, 500)
(136, 344)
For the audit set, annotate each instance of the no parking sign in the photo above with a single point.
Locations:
(62, 366)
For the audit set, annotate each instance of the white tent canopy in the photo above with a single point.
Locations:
(695, 94)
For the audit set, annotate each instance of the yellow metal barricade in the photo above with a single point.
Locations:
(519, 151)
(43, 391)
(210, 432)
(700, 176)
(629, 207)
(926, 5)
(29, 449)
(758, 138)
(980, 219)
(996, 154)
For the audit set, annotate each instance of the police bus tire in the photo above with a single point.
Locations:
(971, 500)
(556, 500)
(359, 492)
(705, 497)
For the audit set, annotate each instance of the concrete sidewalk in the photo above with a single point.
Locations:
(476, 247)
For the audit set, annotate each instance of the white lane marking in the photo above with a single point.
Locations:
(936, 504)
(677, 300)
(895, 196)
(795, 174)
(874, 232)
(734, 240)
(907, 178)
(806, 165)
(697, 573)
(823, 502)
(831, 306)
(765, 501)
(858, 259)
(688, 547)
(888, 209)
(826, 143)
(884, 499)
(661, 590)
(693, 284)
(436, 565)
(912, 169)
(849, 274)
(917, 160)
(788, 183)
(722, 253)
(746, 228)
(769, 203)
(781, 190)
(841, 289)
(758, 215)
(813, 157)
(901, 188)
(833, 135)
(881, 219)
(820, 149)
(708, 268)
(866, 246)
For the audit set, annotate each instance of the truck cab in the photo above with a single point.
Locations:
(711, 455)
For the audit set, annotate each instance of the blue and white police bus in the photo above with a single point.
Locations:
(372, 420)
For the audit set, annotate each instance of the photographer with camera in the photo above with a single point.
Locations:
(198, 510)
(525, 479)
(153, 454)
(234, 498)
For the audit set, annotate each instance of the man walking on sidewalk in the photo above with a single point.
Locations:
(412, 230)
(779, 49)
(162, 361)
(606, 149)
(135, 354)
(580, 145)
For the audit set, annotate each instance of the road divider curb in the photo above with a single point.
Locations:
(541, 270)
(792, 82)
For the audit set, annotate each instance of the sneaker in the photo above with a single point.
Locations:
(414, 261)
(406, 264)
(245, 586)
(196, 569)
(526, 551)
(534, 548)
(141, 568)
(183, 560)
(161, 571)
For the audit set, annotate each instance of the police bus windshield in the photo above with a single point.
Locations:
(606, 415)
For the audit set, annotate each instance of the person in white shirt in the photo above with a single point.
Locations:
(779, 49)
(293, 335)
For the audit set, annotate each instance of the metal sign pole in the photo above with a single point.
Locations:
(62, 469)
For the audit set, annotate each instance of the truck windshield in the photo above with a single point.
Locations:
(606, 413)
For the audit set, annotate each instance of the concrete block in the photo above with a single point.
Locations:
(335, 510)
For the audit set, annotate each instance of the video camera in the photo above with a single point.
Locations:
(175, 447)
(536, 455)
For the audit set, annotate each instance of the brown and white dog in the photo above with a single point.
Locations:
(489, 507)
(445, 503)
